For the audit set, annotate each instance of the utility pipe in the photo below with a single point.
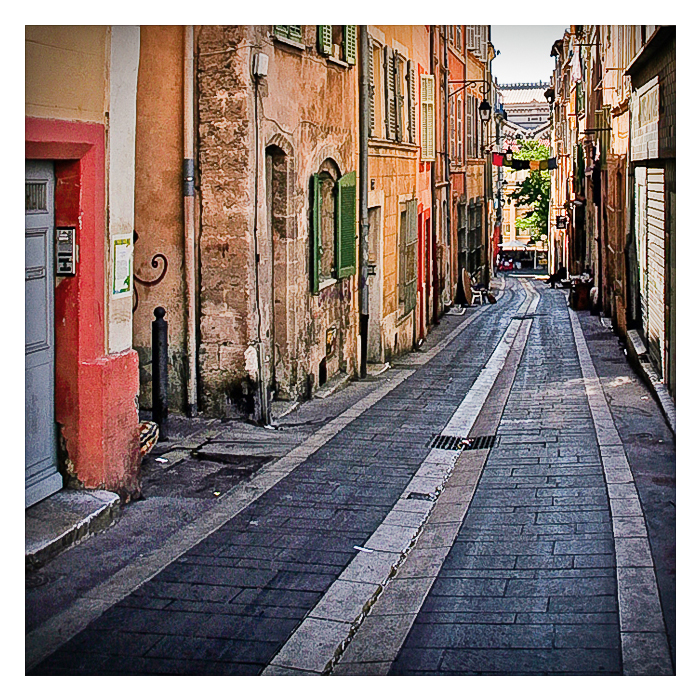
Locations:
(363, 180)
(448, 187)
(433, 186)
(189, 219)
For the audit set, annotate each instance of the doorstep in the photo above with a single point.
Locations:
(64, 519)
(637, 353)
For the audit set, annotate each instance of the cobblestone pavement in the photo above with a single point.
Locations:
(365, 549)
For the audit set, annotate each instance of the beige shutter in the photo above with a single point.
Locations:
(427, 104)
(372, 84)
(390, 98)
(411, 101)
(470, 37)
(398, 95)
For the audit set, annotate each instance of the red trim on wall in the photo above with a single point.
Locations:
(95, 391)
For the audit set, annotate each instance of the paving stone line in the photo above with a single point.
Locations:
(50, 636)
(377, 642)
(320, 640)
(47, 638)
(645, 649)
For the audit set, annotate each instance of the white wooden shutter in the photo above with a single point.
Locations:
(484, 42)
(477, 40)
(427, 104)
(372, 84)
(470, 37)
(656, 266)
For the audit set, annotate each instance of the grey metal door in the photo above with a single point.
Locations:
(41, 475)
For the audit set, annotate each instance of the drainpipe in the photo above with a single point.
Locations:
(189, 221)
(364, 215)
(448, 186)
(433, 225)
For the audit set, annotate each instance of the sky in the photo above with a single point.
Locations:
(525, 50)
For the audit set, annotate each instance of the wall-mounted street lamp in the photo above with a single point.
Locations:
(484, 110)
(549, 95)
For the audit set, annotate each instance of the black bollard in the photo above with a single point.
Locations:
(159, 364)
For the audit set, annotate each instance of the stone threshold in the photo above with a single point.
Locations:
(63, 520)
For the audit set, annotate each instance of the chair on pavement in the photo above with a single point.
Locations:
(470, 292)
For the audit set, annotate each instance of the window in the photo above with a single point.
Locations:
(399, 79)
(427, 105)
(338, 41)
(375, 89)
(470, 127)
(408, 256)
(332, 239)
(460, 129)
(453, 145)
(458, 38)
(288, 31)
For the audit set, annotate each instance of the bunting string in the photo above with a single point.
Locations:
(500, 159)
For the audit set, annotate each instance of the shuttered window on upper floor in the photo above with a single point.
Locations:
(427, 114)
(288, 31)
(338, 41)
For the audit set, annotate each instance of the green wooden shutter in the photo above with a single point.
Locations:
(411, 94)
(282, 30)
(294, 32)
(372, 85)
(411, 256)
(325, 39)
(315, 237)
(350, 41)
(345, 227)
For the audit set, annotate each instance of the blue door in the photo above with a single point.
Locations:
(41, 475)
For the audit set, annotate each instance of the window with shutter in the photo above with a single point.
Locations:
(315, 237)
(325, 39)
(288, 31)
(452, 128)
(470, 37)
(398, 96)
(350, 43)
(470, 126)
(460, 130)
(458, 38)
(411, 256)
(389, 96)
(484, 42)
(411, 101)
(477, 40)
(372, 87)
(345, 230)
(427, 104)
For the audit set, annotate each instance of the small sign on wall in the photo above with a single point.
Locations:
(122, 249)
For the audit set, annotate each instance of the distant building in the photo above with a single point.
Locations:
(527, 110)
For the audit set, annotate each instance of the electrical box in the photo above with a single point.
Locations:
(66, 251)
(260, 63)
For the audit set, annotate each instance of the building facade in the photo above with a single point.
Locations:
(81, 373)
(613, 196)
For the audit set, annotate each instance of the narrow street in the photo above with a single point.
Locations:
(531, 542)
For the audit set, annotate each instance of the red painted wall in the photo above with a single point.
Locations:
(96, 393)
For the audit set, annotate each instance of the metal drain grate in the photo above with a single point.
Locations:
(447, 442)
(483, 442)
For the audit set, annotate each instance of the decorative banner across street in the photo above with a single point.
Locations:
(500, 159)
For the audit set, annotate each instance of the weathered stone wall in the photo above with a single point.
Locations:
(306, 113)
